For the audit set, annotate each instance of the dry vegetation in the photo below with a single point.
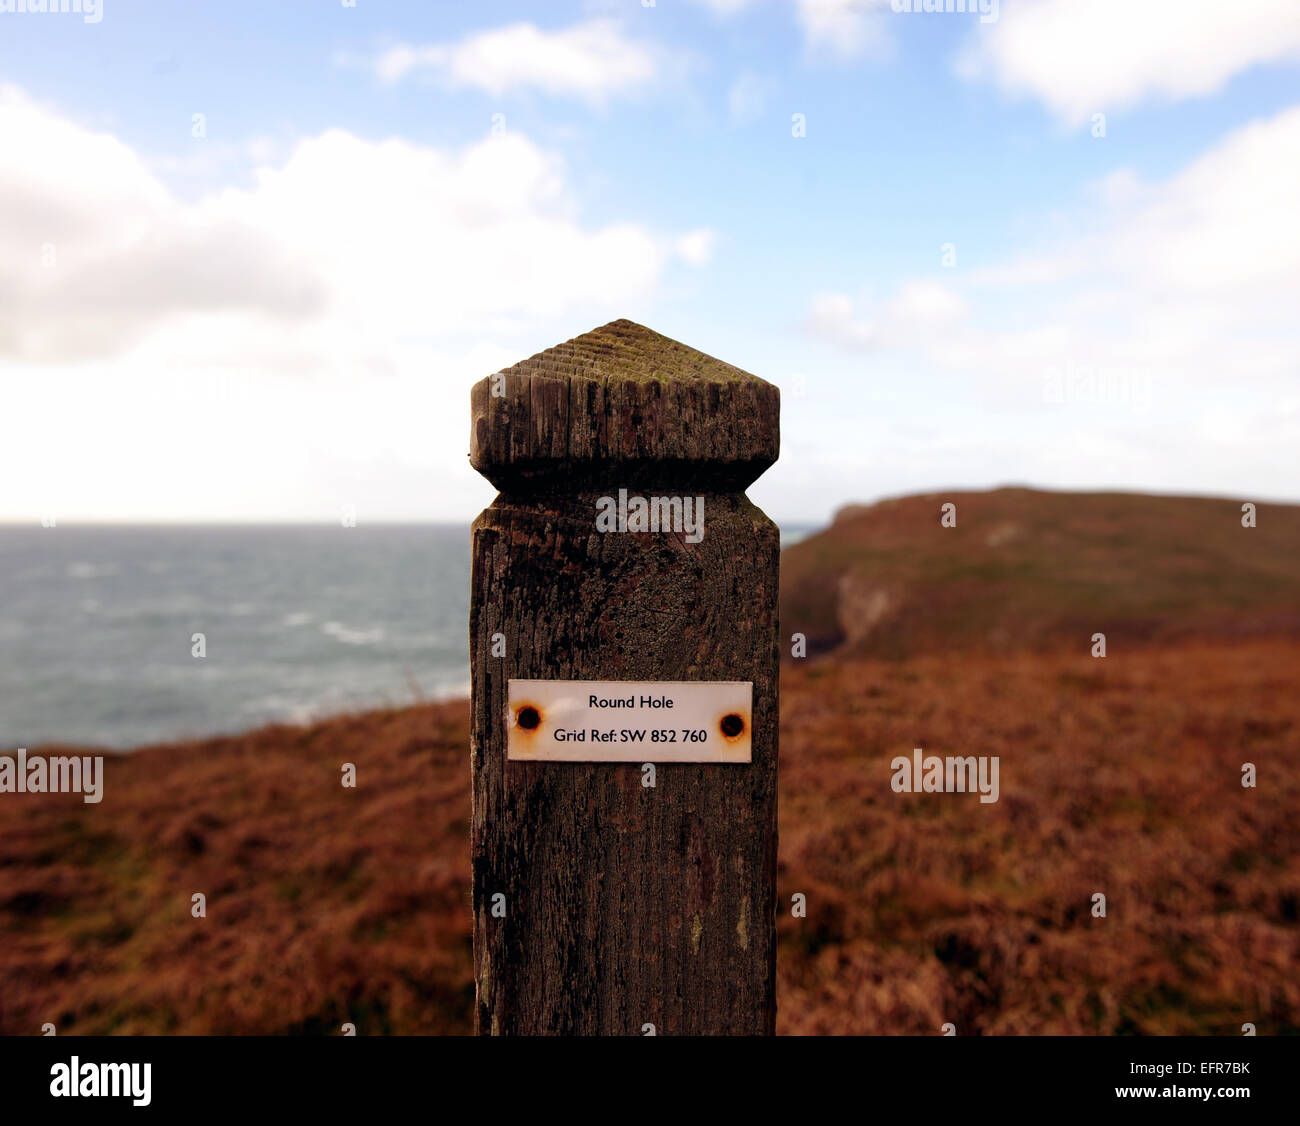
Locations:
(1120, 776)
(324, 904)
(327, 905)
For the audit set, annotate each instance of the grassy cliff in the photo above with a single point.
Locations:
(1025, 569)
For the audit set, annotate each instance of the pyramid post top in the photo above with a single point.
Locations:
(623, 397)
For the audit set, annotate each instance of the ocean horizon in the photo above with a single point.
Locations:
(122, 635)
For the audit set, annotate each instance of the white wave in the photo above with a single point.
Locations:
(340, 632)
(83, 569)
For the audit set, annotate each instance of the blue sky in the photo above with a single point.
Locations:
(958, 278)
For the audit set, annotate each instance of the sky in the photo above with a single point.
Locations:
(253, 255)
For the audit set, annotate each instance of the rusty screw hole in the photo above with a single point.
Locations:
(528, 717)
(732, 725)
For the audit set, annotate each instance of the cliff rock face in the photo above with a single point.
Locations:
(861, 605)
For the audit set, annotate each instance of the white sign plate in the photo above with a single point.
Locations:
(629, 720)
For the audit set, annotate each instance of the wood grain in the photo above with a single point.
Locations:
(625, 905)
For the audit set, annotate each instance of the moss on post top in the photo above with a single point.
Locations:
(622, 396)
(628, 350)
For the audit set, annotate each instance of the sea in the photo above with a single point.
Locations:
(118, 637)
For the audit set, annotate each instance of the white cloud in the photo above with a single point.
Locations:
(1226, 226)
(834, 316)
(93, 249)
(696, 247)
(589, 61)
(425, 241)
(290, 347)
(1105, 55)
(1223, 229)
(845, 29)
(725, 7)
(747, 97)
(916, 317)
(1192, 281)
(209, 160)
(925, 305)
(410, 238)
(842, 29)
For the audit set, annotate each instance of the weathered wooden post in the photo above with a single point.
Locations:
(610, 895)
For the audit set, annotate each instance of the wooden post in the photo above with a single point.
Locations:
(604, 904)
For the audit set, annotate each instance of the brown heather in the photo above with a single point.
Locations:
(1120, 776)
